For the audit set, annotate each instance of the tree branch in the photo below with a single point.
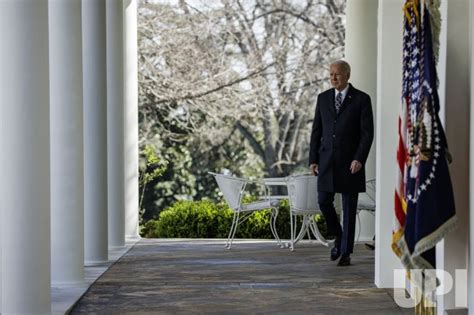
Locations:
(220, 87)
(251, 139)
(301, 16)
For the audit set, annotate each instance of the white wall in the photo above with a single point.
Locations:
(389, 85)
(361, 53)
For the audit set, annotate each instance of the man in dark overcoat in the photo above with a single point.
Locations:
(343, 131)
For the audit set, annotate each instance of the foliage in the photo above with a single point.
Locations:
(151, 167)
(175, 182)
(188, 219)
(205, 219)
(185, 175)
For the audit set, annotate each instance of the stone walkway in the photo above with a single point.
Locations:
(160, 276)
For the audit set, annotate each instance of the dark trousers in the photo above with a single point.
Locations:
(345, 234)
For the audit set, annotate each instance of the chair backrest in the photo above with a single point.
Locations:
(366, 200)
(231, 188)
(303, 192)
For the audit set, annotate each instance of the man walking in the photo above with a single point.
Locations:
(343, 131)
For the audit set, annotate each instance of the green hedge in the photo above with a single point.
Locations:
(205, 219)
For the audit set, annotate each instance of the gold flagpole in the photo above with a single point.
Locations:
(427, 301)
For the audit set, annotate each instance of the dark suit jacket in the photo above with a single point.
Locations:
(337, 140)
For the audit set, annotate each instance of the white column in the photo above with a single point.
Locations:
(361, 53)
(131, 119)
(2, 161)
(25, 193)
(389, 88)
(95, 130)
(115, 124)
(2, 206)
(454, 249)
(441, 70)
(471, 167)
(67, 154)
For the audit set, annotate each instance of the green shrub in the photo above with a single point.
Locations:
(188, 219)
(205, 219)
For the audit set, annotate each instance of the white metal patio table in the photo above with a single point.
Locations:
(308, 223)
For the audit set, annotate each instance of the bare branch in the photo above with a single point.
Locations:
(251, 139)
(255, 66)
(223, 86)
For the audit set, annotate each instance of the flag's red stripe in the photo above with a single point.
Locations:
(399, 213)
(401, 156)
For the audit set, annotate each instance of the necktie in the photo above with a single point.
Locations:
(338, 103)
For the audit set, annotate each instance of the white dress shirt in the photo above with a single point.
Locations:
(344, 93)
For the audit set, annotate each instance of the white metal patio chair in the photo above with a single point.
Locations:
(303, 198)
(232, 189)
(366, 202)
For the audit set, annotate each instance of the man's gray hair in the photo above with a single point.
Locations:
(344, 64)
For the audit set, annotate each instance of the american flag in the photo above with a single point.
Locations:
(424, 201)
(411, 77)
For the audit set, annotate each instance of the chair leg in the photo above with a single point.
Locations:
(233, 228)
(292, 232)
(274, 215)
(304, 229)
(230, 231)
(360, 226)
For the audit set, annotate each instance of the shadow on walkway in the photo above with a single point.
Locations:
(159, 276)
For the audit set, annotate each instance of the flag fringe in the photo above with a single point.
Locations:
(396, 237)
(415, 260)
(433, 7)
(430, 241)
(414, 4)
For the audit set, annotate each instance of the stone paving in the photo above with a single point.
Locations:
(159, 276)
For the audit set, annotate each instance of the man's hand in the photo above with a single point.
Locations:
(355, 166)
(314, 169)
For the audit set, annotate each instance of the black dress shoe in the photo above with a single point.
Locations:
(344, 261)
(335, 253)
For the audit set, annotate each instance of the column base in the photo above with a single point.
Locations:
(132, 238)
(68, 284)
(117, 247)
(92, 263)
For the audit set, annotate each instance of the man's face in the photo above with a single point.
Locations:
(339, 78)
